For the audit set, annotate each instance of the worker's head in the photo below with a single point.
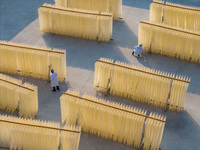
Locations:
(52, 71)
(140, 45)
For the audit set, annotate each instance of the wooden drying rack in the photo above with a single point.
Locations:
(181, 7)
(159, 102)
(143, 71)
(62, 9)
(170, 28)
(38, 49)
(32, 125)
(113, 107)
(4, 147)
(17, 85)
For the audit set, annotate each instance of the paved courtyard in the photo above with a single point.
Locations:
(19, 23)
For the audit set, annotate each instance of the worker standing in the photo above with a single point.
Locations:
(138, 50)
(54, 81)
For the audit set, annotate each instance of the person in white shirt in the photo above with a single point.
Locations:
(137, 50)
(54, 81)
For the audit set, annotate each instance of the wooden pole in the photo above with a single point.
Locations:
(4, 147)
(17, 84)
(32, 125)
(169, 28)
(143, 71)
(62, 9)
(181, 7)
(32, 48)
(113, 107)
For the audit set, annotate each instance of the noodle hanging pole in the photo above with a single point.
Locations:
(17, 84)
(38, 49)
(114, 107)
(169, 28)
(193, 9)
(5, 147)
(39, 126)
(142, 71)
(76, 11)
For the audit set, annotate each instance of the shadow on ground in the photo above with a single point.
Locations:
(16, 15)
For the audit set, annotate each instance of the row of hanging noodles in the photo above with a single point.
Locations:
(175, 15)
(32, 61)
(76, 22)
(114, 6)
(111, 120)
(170, 41)
(141, 84)
(15, 95)
(19, 133)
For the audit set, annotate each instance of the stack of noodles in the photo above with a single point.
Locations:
(28, 102)
(175, 15)
(31, 61)
(170, 41)
(19, 133)
(75, 22)
(114, 6)
(141, 84)
(14, 94)
(121, 123)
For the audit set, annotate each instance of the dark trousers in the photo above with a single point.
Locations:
(133, 54)
(54, 88)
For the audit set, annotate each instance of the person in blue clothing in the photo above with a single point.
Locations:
(138, 50)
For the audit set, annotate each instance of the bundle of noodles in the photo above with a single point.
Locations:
(102, 74)
(70, 140)
(76, 22)
(9, 93)
(114, 6)
(156, 38)
(153, 131)
(28, 103)
(141, 84)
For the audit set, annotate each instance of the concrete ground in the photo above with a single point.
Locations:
(19, 23)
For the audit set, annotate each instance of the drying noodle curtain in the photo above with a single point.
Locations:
(118, 124)
(140, 84)
(76, 22)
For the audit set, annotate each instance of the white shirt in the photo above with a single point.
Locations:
(137, 50)
(54, 79)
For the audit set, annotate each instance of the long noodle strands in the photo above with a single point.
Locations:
(31, 61)
(76, 22)
(109, 120)
(141, 84)
(114, 6)
(170, 41)
(156, 11)
(13, 94)
(153, 132)
(19, 133)
(175, 15)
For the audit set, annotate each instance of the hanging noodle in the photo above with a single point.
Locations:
(170, 41)
(19, 133)
(14, 94)
(32, 61)
(114, 6)
(121, 123)
(175, 15)
(140, 84)
(76, 22)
